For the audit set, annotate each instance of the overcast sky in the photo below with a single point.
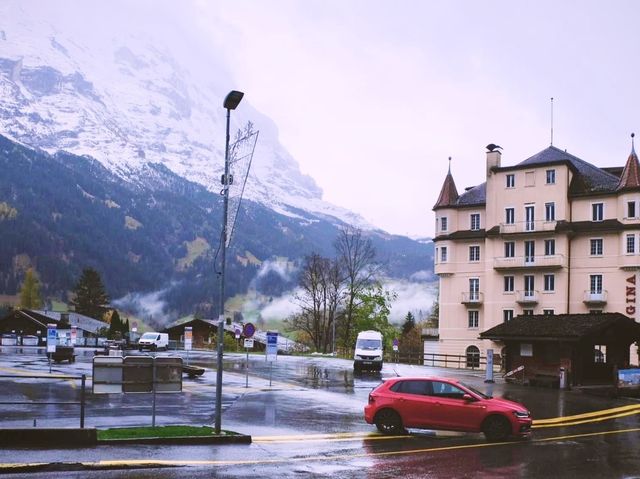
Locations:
(371, 97)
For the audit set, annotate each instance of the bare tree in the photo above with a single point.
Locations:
(356, 256)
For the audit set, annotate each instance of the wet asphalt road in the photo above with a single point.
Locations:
(308, 423)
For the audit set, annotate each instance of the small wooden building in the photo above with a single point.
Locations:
(590, 347)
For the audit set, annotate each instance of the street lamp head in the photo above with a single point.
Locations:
(233, 99)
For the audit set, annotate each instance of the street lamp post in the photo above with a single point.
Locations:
(230, 103)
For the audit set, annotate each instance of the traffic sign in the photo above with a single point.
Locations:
(272, 345)
(188, 338)
(248, 343)
(51, 338)
(237, 330)
(248, 330)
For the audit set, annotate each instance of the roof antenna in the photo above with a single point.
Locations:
(551, 121)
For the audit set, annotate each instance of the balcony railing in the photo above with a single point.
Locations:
(527, 226)
(472, 298)
(554, 261)
(527, 297)
(591, 297)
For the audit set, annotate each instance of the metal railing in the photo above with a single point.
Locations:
(474, 362)
(81, 402)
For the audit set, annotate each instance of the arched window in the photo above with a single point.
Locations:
(473, 357)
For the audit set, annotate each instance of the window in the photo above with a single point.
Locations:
(475, 221)
(443, 254)
(597, 212)
(631, 209)
(529, 285)
(474, 317)
(595, 281)
(549, 247)
(509, 216)
(474, 253)
(473, 357)
(509, 282)
(511, 181)
(600, 353)
(526, 349)
(509, 249)
(474, 289)
(596, 246)
(529, 251)
(446, 390)
(548, 312)
(631, 244)
(530, 178)
(443, 224)
(550, 211)
(551, 177)
(420, 388)
(507, 315)
(530, 218)
(549, 282)
(527, 312)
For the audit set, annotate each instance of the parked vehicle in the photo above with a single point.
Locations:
(444, 404)
(368, 351)
(30, 340)
(8, 339)
(153, 341)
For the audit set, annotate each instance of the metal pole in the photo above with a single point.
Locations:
(84, 380)
(153, 406)
(246, 382)
(223, 256)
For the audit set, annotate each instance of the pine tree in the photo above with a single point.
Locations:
(409, 324)
(115, 326)
(30, 293)
(90, 297)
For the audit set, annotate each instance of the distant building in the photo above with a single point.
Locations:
(551, 235)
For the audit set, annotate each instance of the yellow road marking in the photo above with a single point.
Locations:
(241, 462)
(635, 407)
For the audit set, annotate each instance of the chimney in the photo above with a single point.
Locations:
(493, 160)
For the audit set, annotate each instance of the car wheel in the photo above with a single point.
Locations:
(496, 428)
(389, 422)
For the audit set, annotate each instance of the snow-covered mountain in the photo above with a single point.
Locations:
(130, 86)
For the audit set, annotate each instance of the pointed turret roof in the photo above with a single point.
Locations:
(448, 194)
(630, 178)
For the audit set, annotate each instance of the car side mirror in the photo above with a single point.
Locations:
(467, 398)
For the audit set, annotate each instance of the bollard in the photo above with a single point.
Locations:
(563, 379)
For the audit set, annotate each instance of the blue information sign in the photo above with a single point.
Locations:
(272, 345)
(51, 338)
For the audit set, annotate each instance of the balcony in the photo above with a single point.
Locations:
(594, 299)
(629, 262)
(444, 268)
(474, 298)
(555, 261)
(430, 334)
(527, 297)
(527, 226)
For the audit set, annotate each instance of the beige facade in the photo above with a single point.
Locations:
(552, 234)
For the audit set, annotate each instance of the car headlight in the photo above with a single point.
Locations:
(522, 414)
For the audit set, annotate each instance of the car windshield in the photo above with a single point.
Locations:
(149, 336)
(482, 395)
(368, 344)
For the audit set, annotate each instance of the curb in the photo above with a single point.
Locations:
(43, 437)
(185, 440)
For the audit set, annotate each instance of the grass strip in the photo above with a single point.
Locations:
(159, 431)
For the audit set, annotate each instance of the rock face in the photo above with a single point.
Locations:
(132, 99)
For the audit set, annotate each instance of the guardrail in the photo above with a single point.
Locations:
(81, 402)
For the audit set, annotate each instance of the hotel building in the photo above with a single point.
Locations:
(551, 236)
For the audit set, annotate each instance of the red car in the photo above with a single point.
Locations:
(447, 404)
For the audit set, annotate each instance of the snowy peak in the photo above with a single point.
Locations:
(125, 99)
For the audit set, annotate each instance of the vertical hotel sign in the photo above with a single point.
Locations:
(631, 298)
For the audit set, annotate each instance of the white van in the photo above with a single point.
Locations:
(368, 353)
(153, 341)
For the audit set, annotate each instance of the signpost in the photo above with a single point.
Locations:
(51, 342)
(74, 335)
(271, 350)
(489, 372)
(188, 340)
(248, 330)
